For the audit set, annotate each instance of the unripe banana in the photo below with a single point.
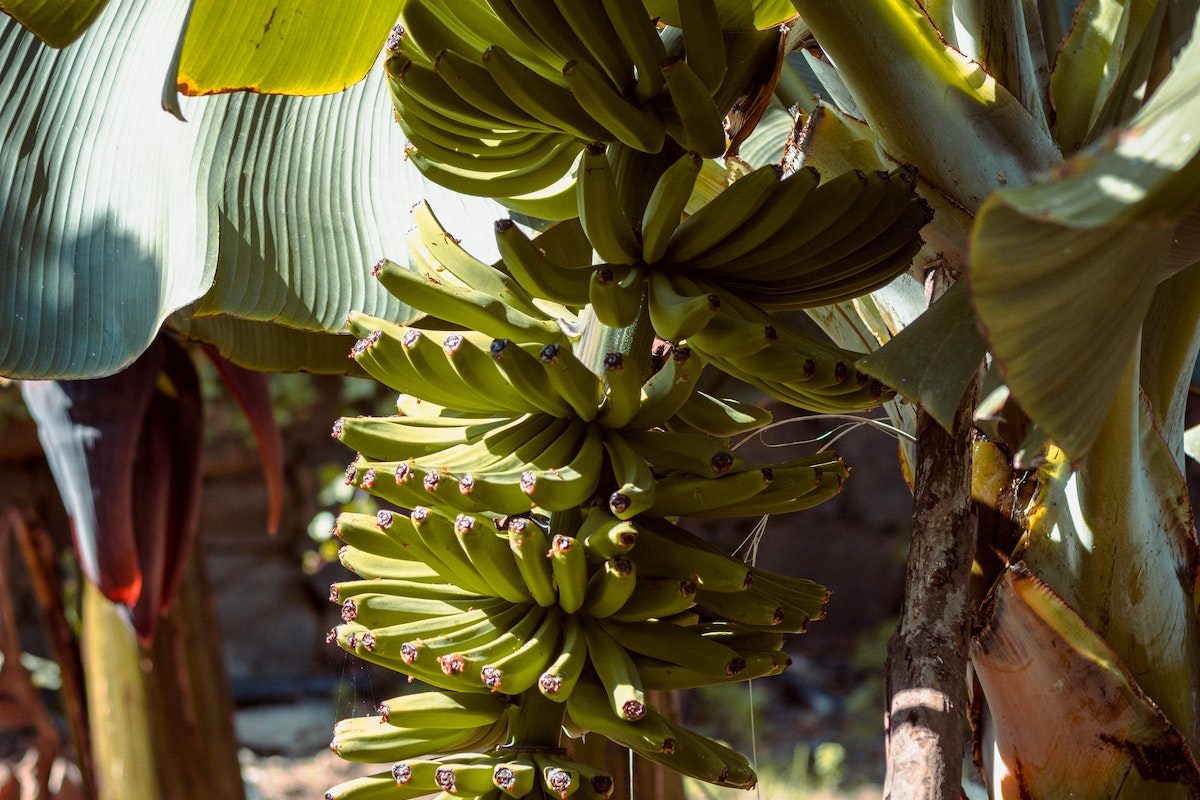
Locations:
(372, 787)
(703, 41)
(559, 679)
(572, 484)
(694, 453)
(529, 545)
(372, 565)
(610, 587)
(443, 710)
(368, 740)
(637, 33)
(701, 124)
(616, 672)
(753, 664)
(635, 482)
(492, 558)
(569, 566)
(590, 708)
(628, 123)
(605, 536)
(719, 218)
(721, 417)
(600, 210)
(540, 97)
(666, 550)
(677, 314)
(666, 204)
(657, 599)
(559, 777)
(674, 644)
(666, 391)
(616, 294)
(573, 381)
(531, 268)
(677, 495)
(519, 670)
(515, 778)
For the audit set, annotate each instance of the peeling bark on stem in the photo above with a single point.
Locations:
(927, 656)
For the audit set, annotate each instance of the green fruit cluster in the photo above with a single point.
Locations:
(550, 431)
(497, 97)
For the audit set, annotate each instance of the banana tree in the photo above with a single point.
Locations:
(1054, 145)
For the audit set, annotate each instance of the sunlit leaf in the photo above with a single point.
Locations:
(1094, 242)
(55, 22)
(302, 47)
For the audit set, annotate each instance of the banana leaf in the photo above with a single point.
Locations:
(1095, 242)
(113, 215)
(55, 22)
(300, 47)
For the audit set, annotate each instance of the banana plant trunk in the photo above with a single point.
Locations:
(162, 719)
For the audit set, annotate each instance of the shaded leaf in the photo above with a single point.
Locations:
(252, 392)
(270, 347)
(55, 22)
(1094, 242)
(1101, 43)
(933, 359)
(1052, 687)
(297, 47)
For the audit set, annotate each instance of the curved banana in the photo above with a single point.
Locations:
(664, 209)
(628, 123)
(694, 453)
(559, 679)
(610, 587)
(569, 567)
(616, 672)
(721, 417)
(701, 126)
(657, 599)
(616, 293)
(529, 545)
(600, 209)
(635, 490)
(536, 273)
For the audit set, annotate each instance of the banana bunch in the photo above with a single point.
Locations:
(497, 97)
(512, 773)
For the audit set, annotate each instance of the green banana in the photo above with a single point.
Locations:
(515, 778)
(787, 203)
(572, 380)
(569, 567)
(542, 98)
(610, 587)
(469, 355)
(383, 437)
(469, 307)
(476, 86)
(362, 531)
(628, 123)
(674, 644)
(443, 710)
(690, 495)
(368, 740)
(616, 293)
(378, 610)
(605, 536)
(527, 179)
(640, 38)
(703, 41)
(590, 708)
(536, 273)
(372, 787)
(721, 417)
(600, 209)
(677, 314)
(570, 485)
(701, 124)
(720, 217)
(656, 599)
(694, 453)
(616, 672)
(519, 670)
(754, 664)
(666, 204)
(491, 557)
(705, 759)
(559, 679)
(526, 374)
(666, 550)
(373, 565)
(665, 392)
(636, 490)
(592, 27)
(529, 546)
(437, 534)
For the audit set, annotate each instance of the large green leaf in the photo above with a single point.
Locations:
(113, 214)
(1093, 242)
(301, 47)
(55, 22)
(932, 361)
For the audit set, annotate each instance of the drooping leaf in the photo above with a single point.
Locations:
(1053, 686)
(1094, 242)
(252, 392)
(55, 22)
(297, 47)
(932, 361)
(270, 347)
(1169, 346)
(113, 215)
